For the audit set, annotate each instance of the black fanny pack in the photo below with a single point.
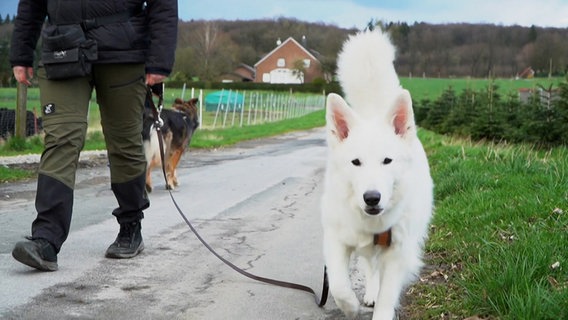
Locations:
(66, 52)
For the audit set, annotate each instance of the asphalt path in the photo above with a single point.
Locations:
(256, 203)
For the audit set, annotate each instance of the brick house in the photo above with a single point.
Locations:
(243, 73)
(289, 62)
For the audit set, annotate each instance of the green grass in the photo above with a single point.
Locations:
(10, 174)
(501, 222)
(214, 138)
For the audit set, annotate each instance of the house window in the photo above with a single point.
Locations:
(266, 77)
(281, 63)
(307, 63)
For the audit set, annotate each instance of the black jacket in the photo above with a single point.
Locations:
(148, 36)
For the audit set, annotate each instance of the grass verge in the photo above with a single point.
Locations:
(497, 249)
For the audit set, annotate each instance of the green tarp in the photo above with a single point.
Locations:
(224, 99)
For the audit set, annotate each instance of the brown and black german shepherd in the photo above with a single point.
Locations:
(180, 123)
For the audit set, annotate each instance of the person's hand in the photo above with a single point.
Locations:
(23, 74)
(152, 79)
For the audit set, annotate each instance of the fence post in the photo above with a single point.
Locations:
(21, 102)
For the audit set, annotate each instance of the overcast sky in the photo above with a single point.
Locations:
(356, 13)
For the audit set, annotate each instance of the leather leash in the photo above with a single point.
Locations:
(158, 89)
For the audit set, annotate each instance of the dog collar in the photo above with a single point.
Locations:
(383, 239)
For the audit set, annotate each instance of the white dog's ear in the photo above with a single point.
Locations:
(339, 117)
(403, 115)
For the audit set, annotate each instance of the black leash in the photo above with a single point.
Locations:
(158, 90)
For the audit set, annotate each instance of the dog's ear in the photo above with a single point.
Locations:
(403, 115)
(339, 117)
(193, 101)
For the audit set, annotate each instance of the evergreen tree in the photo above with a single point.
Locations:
(488, 124)
(439, 110)
(421, 111)
(561, 106)
(460, 117)
(513, 119)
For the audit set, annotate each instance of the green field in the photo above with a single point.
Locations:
(420, 88)
(432, 88)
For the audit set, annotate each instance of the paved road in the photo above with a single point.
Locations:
(257, 203)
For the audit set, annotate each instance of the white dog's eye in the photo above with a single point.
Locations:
(356, 162)
(387, 160)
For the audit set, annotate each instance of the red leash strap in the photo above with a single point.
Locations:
(325, 290)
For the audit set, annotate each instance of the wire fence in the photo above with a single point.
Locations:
(232, 108)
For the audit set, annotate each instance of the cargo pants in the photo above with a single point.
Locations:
(120, 94)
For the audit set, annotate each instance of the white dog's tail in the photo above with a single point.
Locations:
(366, 72)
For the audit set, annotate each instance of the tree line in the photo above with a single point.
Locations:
(208, 49)
(479, 50)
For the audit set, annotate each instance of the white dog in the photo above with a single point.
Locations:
(378, 194)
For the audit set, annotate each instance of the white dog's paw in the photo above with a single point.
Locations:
(369, 299)
(371, 293)
(349, 305)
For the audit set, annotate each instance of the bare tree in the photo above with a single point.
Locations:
(212, 52)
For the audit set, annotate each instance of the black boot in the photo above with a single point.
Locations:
(36, 253)
(54, 204)
(128, 243)
(132, 199)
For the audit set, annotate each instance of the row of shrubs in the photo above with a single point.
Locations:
(485, 114)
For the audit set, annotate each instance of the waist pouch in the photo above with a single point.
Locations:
(66, 52)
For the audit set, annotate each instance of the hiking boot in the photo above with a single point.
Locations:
(36, 253)
(128, 243)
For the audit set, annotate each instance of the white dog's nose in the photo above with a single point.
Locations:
(372, 198)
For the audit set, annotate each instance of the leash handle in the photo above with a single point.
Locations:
(158, 120)
(156, 89)
(159, 91)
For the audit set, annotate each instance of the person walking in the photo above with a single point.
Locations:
(117, 48)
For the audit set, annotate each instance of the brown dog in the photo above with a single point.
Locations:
(179, 124)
